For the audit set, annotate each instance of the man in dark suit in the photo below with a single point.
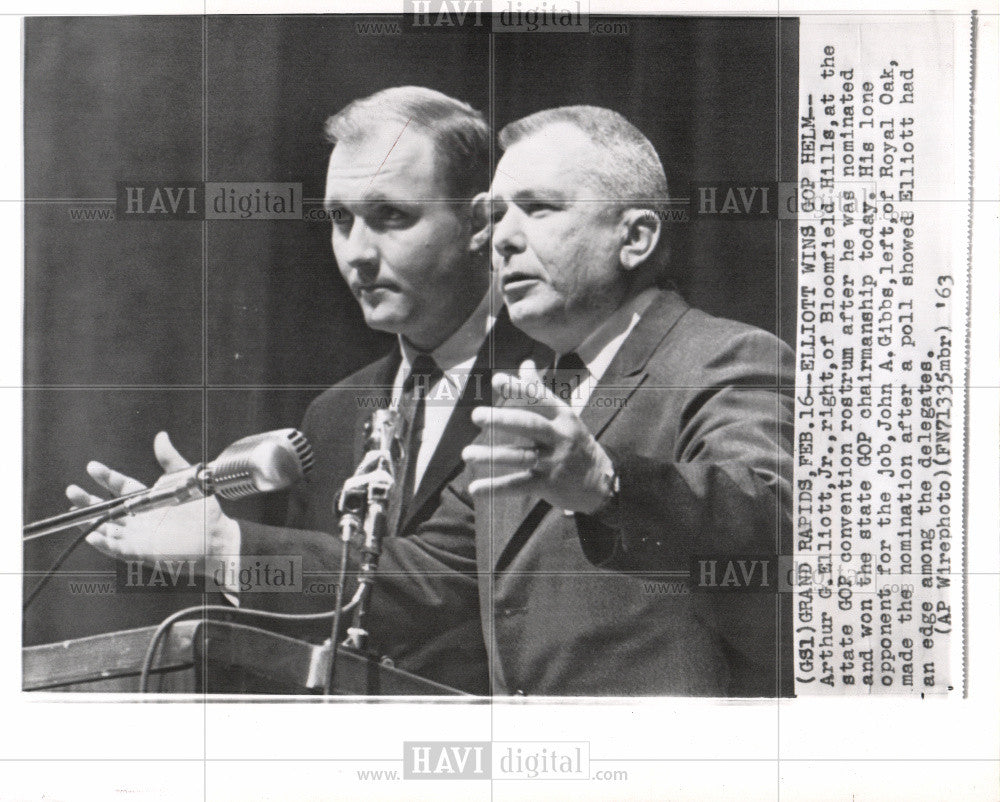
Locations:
(425, 608)
(405, 165)
(664, 434)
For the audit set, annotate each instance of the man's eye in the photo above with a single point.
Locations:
(390, 215)
(537, 207)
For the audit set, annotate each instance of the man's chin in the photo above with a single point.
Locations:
(385, 321)
(529, 317)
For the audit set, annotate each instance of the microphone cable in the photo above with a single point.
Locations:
(62, 558)
(203, 609)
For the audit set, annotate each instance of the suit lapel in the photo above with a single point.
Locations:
(627, 371)
(458, 433)
(503, 349)
(628, 368)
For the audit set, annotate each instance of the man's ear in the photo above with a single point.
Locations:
(641, 230)
(482, 228)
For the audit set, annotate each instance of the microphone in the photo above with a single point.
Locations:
(383, 441)
(370, 492)
(375, 476)
(260, 463)
(383, 438)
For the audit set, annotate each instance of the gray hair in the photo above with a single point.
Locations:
(629, 171)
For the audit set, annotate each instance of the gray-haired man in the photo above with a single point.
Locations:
(673, 441)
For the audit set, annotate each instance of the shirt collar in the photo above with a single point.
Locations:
(600, 347)
(460, 347)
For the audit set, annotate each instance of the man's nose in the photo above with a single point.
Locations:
(357, 250)
(508, 238)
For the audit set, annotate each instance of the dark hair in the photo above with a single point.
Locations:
(460, 133)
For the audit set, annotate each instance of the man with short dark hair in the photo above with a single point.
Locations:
(663, 434)
(405, 165)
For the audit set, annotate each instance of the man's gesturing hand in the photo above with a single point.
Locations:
(193, 531)
(538, 445)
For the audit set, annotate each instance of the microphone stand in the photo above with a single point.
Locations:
(176, 488)
(366, 496)
(375, 529)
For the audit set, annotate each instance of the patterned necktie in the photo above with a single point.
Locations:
(424, 372)
(567, 375)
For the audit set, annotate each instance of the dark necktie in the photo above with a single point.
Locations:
(567, 375)
(412, 401)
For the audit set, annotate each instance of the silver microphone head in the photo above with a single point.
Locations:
(260, 463)
(383, 432)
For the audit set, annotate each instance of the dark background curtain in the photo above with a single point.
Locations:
(214, 330)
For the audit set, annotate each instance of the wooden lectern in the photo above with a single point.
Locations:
(201, 656)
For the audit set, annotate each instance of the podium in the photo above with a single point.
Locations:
(202, 656)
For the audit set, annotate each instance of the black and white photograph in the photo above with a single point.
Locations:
(234, 320)
(571, 401)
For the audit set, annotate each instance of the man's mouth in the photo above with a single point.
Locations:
(368, 289)
(516, 279)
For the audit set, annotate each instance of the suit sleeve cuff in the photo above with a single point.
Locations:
(601, 531)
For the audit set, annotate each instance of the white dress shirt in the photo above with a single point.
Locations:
(601, 346)
(456, 357)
